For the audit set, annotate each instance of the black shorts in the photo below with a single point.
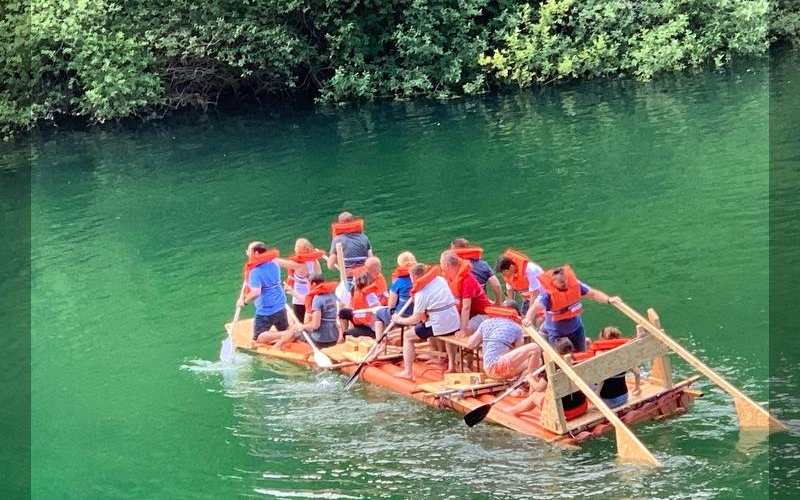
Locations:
(360, 331)
(299, 311)
(264, 323)
(346, 313)
(425, 332)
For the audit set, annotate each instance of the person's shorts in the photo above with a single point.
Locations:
(577, 411)
(263, 323)
(425, 332)
(360, 331)
(322, 345)
(617, 401)
(502, 369)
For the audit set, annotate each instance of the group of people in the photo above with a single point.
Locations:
(448, 299)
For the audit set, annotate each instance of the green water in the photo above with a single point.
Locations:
(655, 192)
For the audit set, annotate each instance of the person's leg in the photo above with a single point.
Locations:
(578, 339)
(450, 349)
(409, 353)
(281, 322)
(299, 311)
(527, 404)
(524, 357)
(261, 329)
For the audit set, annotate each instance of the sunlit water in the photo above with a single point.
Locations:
(656, 192)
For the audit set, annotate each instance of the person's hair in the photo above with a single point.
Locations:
(417, 270)
(316, 278)
(449, 257)
(511, 304)
(564, 346)
(406, 259)
(371, 261)
(610, 332)
(557, 270)
(459, 243)
(503, 264)
(304, 245)
(345, 217)
(258, 247)
(362, 279)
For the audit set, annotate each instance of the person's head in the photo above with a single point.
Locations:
(302, 245)
(316, 279)
(610, 332)
(406, 259)
(449, 262)
(416, 271)
(373, 265)
(564, 346)
(255, 248)
(511, 304)
(505, 266)
(345, 217)
(559, 277)
(459, 243)
(362, 279)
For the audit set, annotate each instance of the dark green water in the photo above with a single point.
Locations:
(655, 192)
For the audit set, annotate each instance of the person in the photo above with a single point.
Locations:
(365, 296)
(560, 302)
(471, 299)
(574, 404)
(614, 390)
(263, 278)
(302, 264)
(320, 320)
(505, 355)
(521, 276)
(480, 268)
(356, 247)
(373, 267)
(433, 297)
(399, 293)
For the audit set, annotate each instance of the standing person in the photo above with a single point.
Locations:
(301, 265)
(320, 322)
(470, 297)
(399, 293)
(560, 301)
(480, 268)
(431, 296)
(356, 247)
(521, 276)
(263, 277)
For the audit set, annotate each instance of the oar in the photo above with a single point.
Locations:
(477, 415)
(369, 309)
(354, 375)
(226, 352)
(320, 358)
(342, 292)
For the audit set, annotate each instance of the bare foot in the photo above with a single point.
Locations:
(404, 375)
(450, 370)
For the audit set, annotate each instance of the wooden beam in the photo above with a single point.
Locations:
(661, 370)
(751, 414)
(628, 445)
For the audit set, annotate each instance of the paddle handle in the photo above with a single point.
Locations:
(516, 384)
(238, 309)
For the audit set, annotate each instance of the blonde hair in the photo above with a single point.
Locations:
(406, 259)
(302, 245)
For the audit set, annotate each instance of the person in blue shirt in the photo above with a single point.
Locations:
(399, 292)
(263, 276)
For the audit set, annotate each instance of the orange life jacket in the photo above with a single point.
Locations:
(608, 344)
(354, 226)
(319, 289)
(426, 278)
(470, 253)
(255, 260)
(503, 312)
(582, 356)
(399, 272)
(564, 304)
(360, 302)
(464, 268)
(303, 257)
(379, 280)
(519, 281)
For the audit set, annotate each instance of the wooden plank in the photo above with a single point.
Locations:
(628, 445)
(609, 363)
(661, 369)
(751, 414)
(552, 411)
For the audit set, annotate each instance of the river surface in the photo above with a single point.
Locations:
(657, 192)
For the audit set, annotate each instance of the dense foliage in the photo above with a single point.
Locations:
(107, 59)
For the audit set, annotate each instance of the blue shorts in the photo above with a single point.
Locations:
(577, 337)
(617, 401)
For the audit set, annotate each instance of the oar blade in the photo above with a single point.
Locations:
(343, 294)
(322, 360)
(227, 351)
(477, 415)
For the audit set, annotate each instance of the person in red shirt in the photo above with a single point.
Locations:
(471, 296)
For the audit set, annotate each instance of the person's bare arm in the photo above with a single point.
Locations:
(532, 311)
(602, 297)
(406, 321)
(332, 260)
(497, 291)
(466, 305)
(289, 264)
(314, 322)
(250, 296)
(475, 339)
(392, 301)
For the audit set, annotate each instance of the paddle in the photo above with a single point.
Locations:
(226, 352)
(342, 291)
(320, 358)
(354, 375)
(477, 415)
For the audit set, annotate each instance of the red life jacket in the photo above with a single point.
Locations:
(304, 257)
(426, 278)
(582, 356)
(503, 312)
(470, 253)
(399, 272)
(564, 304)
(360, 302)
(464, 268)
(255, 260)
(519, 281)
(608, 344)
(319, 289)
(354, 226)
(379, 280)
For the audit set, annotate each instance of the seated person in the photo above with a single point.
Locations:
(574, 404)
(505, 356)
(614, 390)
(320, 319)
(365, 296)
(399, 292)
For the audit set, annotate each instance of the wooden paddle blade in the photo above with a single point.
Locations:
(322, 360)
(477, 415)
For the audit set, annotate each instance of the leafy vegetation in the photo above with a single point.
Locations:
(108, 59)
